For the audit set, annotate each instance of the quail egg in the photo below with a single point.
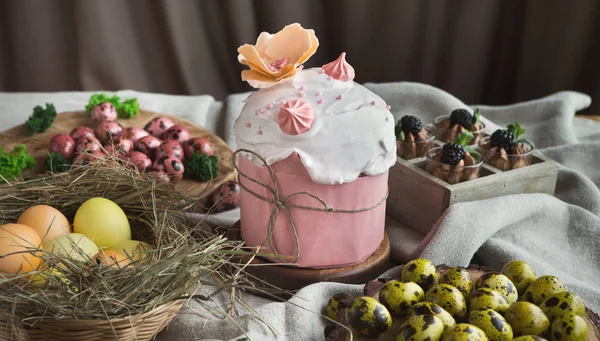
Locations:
(527, 318)
(449, 298)
(543, 288)
(459, 278)
(529, 338)
(333, 304)
(464, 332)
(520, 273)
(421, 328)
(368, 316)
(569, 327)
(488, 298)
(500, 283)
(399, 296)
(558, 304)
(492, 323)
(421, 271)
(428, 308)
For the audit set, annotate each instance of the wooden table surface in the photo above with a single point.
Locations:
(594, 118)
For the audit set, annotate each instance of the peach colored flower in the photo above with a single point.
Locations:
(276, 57)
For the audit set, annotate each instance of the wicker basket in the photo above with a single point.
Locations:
(139, 327)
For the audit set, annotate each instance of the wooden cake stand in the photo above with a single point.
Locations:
(290, 278)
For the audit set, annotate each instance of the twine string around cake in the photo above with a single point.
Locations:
(283, 204)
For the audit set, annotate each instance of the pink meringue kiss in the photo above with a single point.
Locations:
(295, 117)
(339, 69)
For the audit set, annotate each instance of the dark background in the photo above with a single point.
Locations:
(482, 51)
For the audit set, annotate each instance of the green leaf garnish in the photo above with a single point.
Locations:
(476, 115)
(464, 138)
(527, 141)
(41, 119)
(128, 108)
(99, 98)
(398, 131)
(516, 130)
(472, 151)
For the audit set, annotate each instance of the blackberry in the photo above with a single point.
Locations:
(452, 153)
(411, 124)
(503, 138)
(462, 117)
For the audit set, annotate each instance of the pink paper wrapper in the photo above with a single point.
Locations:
(326, 239)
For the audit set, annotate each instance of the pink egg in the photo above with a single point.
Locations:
(62, 144)
(147, 145)
(82, 159)
(198, 144)
(157, 174)
(169, 149)
(158, 125)
(140, 160)
(88, 145)
(177, 133)
(226, 197)
(134, 134)
(104, 112)
(171, 166)
(105, 131)
(120, 144)
(82, 132)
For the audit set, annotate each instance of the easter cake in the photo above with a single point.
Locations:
(314, 152)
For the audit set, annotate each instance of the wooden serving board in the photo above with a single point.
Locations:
(372, 288)
(37, 146)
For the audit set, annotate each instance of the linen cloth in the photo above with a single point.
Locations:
(558, 235)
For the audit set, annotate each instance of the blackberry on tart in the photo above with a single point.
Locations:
(412, 138)
(460, 120)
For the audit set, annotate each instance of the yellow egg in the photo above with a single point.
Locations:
(112, 258)
(102, 221)
(17, 241)
(47, 221)
(133, 248)
(73, 245)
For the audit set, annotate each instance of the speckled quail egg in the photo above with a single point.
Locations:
(488, 298)
(449, 298)
(368, 316)
(428, 308)
(543, 288)
(333, 305)
(421, 271)
(421, 328)
(529, 338)
(500, 283)
(569, 327)
(492, 323)
(558, 304)
(464, 332)
(399, 296)
(520, 273)
(526, 318)
(459, 278)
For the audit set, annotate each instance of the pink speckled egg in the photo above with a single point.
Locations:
(82, 159)
(104, 112)
(171, 166)
(157, 174)
(158, 125)
(120, 144)
(88, 145)
(134, 134)
(62, 144)
(198, 144)
(140, 160)
(169, 149)
(177, 133)
(82, 132)
(226, 197)
(106, 131)
(147, 145)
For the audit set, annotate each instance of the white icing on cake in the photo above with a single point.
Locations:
(351, 134)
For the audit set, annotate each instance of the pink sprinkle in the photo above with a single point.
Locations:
(319, 94)
(329, 78)
(248, 125)
(300, 67)
(302, 88)
(321, 71)
(260, 111)
(278, 65)
(301, 94)
(270, 106)
(388, 107)
(339, 98)
(373, 103)
(320, 101)
(259, 132)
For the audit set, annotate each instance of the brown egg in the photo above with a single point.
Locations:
(47, 221)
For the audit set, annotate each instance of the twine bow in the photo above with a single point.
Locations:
(284, 203)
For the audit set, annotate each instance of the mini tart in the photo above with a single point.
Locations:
(499, 158)
(465, 170)
(446, 133)
(415, 146)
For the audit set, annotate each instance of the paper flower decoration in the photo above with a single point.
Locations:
(340, 69)
(295, 117)
(276, 57)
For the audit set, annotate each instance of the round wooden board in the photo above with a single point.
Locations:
(291, 278)
(37, 146)
(372, 288)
